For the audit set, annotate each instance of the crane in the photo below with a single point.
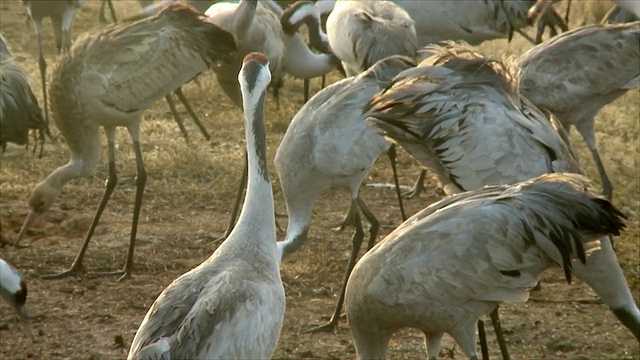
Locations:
(460, 115)
(459, 258)
(62, 14)
(19, 109)
(575, 74)
(107, 80)
(361, 33)
(256, 27)
(329, 145)
(232, 305)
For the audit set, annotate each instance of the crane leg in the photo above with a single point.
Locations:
(42, 64)
(305, 86)
(112, 181)
(482, 337)
(586, 128)
(391, 153)
(418, 187)
(177, 117)
(141, 180)
(101, 17)
(236, 204)
(192, 113)
(358, 236)
(497, 327)
(112, 10)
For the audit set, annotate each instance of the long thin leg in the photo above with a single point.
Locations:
(236, 205)
(358, 236)
(192, 113)
(112, 180)
(373, 221)
(497, 327)
(418, 187)
(101, 17)
(176, 116)
(306, 90)
(391, 153)
(586, 128)
(482, 337)
(112, 10)
(43, 71)
(141, 180)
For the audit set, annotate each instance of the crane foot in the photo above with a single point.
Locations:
(124, 273)
(331, 326)
(75, 270)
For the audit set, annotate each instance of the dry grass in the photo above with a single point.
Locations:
(189, 191)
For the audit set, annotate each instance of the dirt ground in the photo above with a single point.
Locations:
(189, 193)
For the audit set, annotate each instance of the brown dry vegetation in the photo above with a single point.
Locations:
(189, 192)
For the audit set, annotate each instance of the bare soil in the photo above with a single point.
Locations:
(189, 193)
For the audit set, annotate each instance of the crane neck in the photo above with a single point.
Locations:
(257, 212)
(301, 62)
(244, 17)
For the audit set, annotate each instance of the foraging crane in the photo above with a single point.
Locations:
(13, 288)
(459, 258)
(305, 12)
(361, 33)
(575, 74)
(444, 111)
(62, 14)
(329, 145)
(232, 305)
(460, 115)
(107, 80)
(254, 28)
(19, 109)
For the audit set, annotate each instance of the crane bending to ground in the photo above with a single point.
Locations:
(459, 258)
(575, 74)
(107, 80)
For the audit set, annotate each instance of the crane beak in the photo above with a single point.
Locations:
(31, 216)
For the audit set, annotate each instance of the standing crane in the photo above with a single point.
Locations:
(256, 27)
(19, 109)
(232, 305)
(328, 145)
(575, 74)
(361, 33)
(456, 260)
(62, 14)
(107, 80)
(460, 115)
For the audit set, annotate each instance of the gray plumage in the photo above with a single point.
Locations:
(574, 75)
(61, 14)
(456, 260)
(107, 80)
(19, 109)
(363, 32)
(460, 115)
(231, 305)
(618, 15)
(328, 145)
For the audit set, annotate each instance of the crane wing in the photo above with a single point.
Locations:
(136, 65)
